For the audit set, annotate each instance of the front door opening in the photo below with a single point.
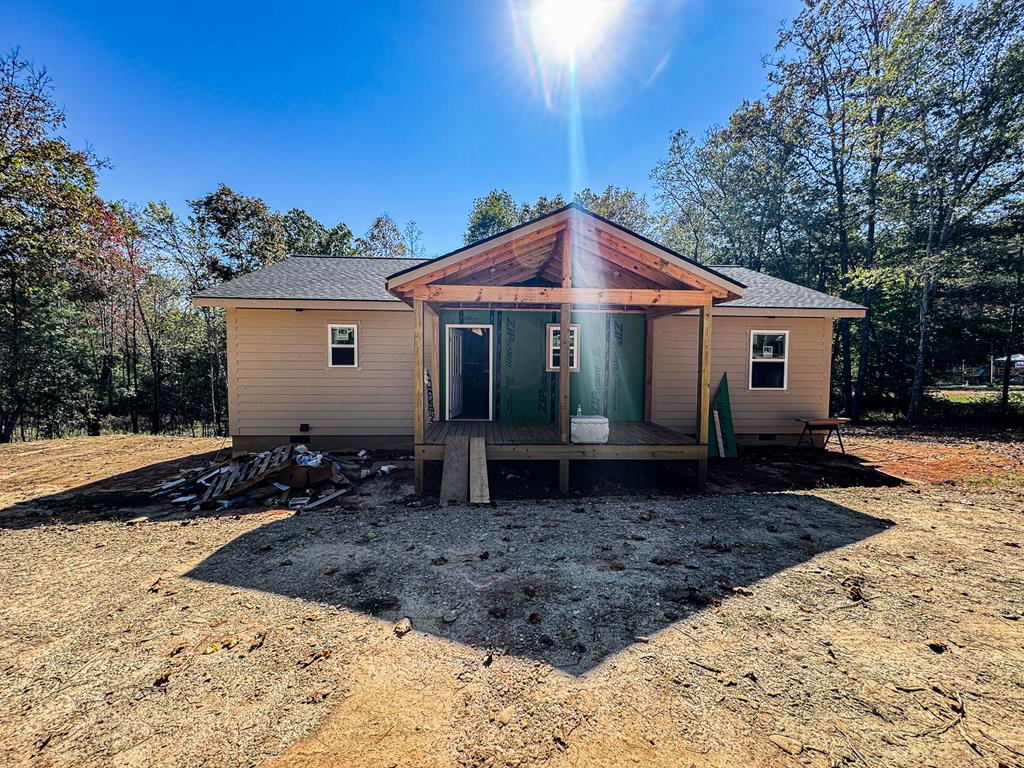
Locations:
(469, 372)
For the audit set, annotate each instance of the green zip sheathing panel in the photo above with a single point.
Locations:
(610, 381)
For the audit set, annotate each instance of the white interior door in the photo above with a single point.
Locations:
(454, 372)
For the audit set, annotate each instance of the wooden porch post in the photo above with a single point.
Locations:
(703, 391)
(649, 368)
(563, 356)
(417, 390)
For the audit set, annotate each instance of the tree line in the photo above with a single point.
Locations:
(97, 331)
(883, 164)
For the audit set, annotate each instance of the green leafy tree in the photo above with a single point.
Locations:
(498, 211)
(47, 204)
(735, 186)
(413, 241)
(960, 137)
(541, 206)
(382, 240)
(620, 204)
(242, 232)
(493, 213)
(339, 241)
(303, 233)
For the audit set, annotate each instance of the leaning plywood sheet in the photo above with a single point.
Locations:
(479, 489)
(722, 440)
(455, 476)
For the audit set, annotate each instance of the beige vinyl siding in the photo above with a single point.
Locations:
(280, 377)
(674, 402)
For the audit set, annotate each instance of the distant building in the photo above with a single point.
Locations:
(1016, 369)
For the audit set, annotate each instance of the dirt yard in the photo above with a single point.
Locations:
(813, 610)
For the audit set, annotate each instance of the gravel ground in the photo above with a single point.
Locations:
(859, 625)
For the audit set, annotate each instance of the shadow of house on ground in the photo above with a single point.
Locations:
(757, 470)
(564, 583)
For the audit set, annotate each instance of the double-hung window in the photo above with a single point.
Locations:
(554, 347)
(769, 359)
(342, 346)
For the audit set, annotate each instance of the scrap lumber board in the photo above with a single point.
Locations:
(455, 475)
(261, 470)
(325, 499)
(221, 482)
(479, 490)
(241, 477)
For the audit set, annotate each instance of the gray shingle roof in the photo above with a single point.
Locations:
(765, 291)
(317, 278)
(325, 278)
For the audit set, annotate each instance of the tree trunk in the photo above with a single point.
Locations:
(863, 355)
(844, 324)
(1004, 400)
(864, 342)
(10, 418)
(917, 388)
(847, 364)
(156, 417)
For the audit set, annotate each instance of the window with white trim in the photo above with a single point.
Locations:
(342, 346)
(554, 348)
(769, 359)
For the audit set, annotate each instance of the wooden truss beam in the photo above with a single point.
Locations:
(494, 294)
(485, 259)
(662, 265)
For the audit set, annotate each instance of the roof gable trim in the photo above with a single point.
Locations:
(559, 219)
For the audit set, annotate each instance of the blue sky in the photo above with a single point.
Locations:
(352, 109)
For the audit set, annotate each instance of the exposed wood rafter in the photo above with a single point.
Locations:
(493, 294)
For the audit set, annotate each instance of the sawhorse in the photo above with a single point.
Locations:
(828, 426)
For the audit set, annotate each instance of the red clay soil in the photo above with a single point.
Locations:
(936, 457)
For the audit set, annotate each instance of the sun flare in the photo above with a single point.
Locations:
(571, 31)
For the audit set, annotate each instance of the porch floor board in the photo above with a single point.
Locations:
(546, 433)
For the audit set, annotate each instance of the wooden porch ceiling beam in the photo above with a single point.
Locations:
(507, 272)
(556, 250)
(660, 264)
(494, 294)
(487, 258)
(623, 263)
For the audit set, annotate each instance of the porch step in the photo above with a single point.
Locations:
(479, 490)
(455, 475)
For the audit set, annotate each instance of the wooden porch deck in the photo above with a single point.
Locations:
(539, 440)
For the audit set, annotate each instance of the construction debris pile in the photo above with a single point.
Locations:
(289, 475)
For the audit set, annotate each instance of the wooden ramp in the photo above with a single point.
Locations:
(464, 476)
(455, 475)
(479, 490)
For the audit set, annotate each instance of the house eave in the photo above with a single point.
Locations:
(300, 304)
(828, 312)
